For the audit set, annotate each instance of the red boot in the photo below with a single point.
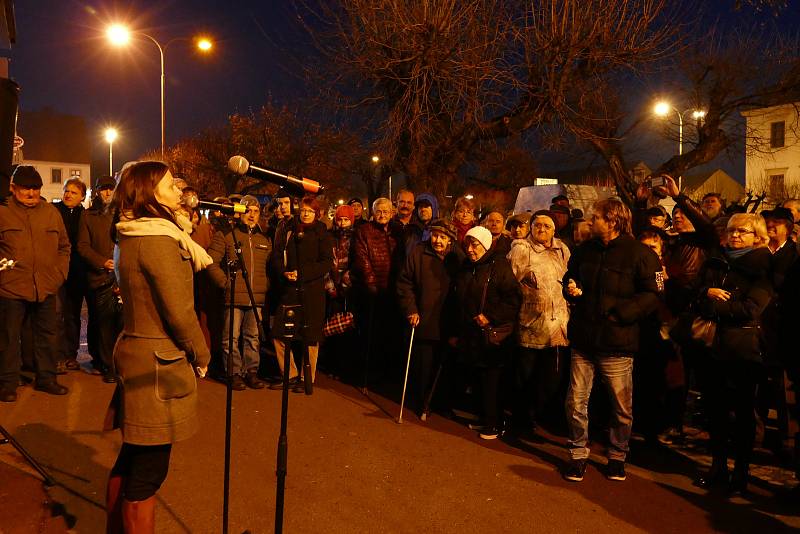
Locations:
(114, 505)
(139, 517)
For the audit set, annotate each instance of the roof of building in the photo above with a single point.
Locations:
(52, 136)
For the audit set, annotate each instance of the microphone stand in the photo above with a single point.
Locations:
(234, 266)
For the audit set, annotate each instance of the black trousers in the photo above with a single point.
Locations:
(43, 319)
(143, 469)
(733, 386)
(108, 323)
(425, 356)
(538, 374)
(71, 296)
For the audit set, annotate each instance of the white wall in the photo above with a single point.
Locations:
(51, 190)
(762, 161)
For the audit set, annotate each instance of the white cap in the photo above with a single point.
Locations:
(483, 235)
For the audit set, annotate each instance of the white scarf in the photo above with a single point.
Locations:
(149, 226)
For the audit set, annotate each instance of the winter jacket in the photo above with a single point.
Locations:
(501, 307)
(161, 336)
(72, 218)
(423, 286)
(620, 287)
(312, 257)
(37, 240)
(374, 252)
(256, 249)
(544, 314)
(739, 332)
(417, 230)
(95, 245)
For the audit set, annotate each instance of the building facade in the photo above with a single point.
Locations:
(773, 152)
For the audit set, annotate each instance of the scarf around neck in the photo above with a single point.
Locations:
(735, 254)
(150, 226)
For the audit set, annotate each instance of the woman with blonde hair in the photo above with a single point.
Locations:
(161, 343)
(734, 293)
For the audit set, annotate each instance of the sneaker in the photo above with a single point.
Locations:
(237, 383)
(575, 470)
(51, 388)
(492, 432)
(252, 380)
(615, 470)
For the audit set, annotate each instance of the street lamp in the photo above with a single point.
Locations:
(111, 136)
(663, 108)
(120, 35)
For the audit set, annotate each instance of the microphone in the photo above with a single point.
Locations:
(228, 209)
(240, 165)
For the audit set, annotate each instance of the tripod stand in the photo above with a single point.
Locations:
(234, 266)
(8, 438)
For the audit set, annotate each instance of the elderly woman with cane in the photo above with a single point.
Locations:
(161, 344)
(488, 300)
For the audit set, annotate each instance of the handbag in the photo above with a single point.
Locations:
(494, 335)
(690, 328)
(703, 331)
(339, 323)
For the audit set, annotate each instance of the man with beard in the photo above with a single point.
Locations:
(712, 205)
(73, 292)
(612, 282)
(97, 250)
(422, 289)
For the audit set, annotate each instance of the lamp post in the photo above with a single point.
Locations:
(119, 35)
(663, 108)
(376, 160)
(111, 136)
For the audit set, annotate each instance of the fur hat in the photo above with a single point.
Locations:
(483, 235)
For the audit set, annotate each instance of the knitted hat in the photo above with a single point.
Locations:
(355, 200)
(483, 235)
(26, 176)
(346, 211)
(444, 226)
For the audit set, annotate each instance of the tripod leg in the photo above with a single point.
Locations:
(283, 441)
(48, 480)
(228, 407)
(405, 380)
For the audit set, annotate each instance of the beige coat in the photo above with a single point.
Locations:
(160, 342)
(544, 314)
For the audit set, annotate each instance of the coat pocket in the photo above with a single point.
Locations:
(174, 375)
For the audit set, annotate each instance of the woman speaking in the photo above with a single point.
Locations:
(160, 345)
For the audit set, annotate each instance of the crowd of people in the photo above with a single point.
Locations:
(515, 318)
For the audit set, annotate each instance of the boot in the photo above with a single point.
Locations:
(139, 517)
(738, 484)
(716, 476)
(114, 505)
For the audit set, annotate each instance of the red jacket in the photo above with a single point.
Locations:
(374, 250)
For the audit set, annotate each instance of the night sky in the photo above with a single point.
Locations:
(63, 60)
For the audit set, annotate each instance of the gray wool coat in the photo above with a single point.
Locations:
(160, 341)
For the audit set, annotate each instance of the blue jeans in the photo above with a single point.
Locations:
(617, 375)
(244, 326)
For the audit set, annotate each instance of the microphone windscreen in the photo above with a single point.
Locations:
(238, 164)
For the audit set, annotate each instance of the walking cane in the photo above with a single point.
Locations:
(405, 381)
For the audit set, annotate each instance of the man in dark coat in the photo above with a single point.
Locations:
(73, 292)
(97, 251)
(422, 289)
(33, 235)
(612, 281)
(256, 248)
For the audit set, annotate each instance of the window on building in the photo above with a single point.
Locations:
(775, 186)
(75, 173)
(777, 135)
(55, 176)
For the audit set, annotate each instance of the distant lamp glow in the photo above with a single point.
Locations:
(204, 44)
(469, 197)
(375, 159)
(698, 114)
(118, 34)
(111, 135)
(341, 201)
(662, 109)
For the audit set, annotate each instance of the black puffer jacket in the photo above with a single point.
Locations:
(423, 287)
(503, 301)
(620, 288)
(95, 245)
(739, 335)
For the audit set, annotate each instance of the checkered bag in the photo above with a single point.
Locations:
(339, 323)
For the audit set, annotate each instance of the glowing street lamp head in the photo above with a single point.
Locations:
(118, 34)
(698, 114)
(375, 159)
(662, 109)
(204, 44)
(111, 135)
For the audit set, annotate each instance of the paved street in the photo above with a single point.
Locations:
(353, 469)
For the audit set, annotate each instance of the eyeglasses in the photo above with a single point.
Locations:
(382, 212)
(740, 231)
(307, 212)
